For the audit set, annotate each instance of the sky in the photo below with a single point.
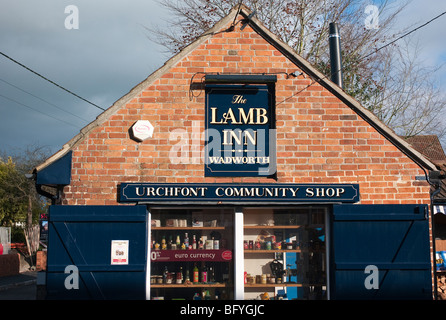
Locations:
(103, 58)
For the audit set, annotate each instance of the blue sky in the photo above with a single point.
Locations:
(106, 57)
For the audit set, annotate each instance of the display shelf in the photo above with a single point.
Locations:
(320, 250)
(272, 285)
(187, 240)
(285, 284)
(283, 241)
(188, 228)
(256, 227)
(273, 250)
(189, 285)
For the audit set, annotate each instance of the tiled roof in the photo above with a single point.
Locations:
(429, 146)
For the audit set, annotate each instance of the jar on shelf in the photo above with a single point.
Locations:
(268, 245)
(258, 278)
(169, 278)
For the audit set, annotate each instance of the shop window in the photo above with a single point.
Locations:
(285, 253)
(191, 254)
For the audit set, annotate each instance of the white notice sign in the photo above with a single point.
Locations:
(120, 252)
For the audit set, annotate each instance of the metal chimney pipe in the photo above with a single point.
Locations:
(335, 54)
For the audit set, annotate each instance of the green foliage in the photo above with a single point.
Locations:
(18, 194)
(17, 235)
(12, 208)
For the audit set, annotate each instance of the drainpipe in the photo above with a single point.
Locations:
(53, 198)
(335, 54)
(434, 248)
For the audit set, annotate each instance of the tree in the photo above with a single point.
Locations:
(385, 81)
(12, 207)
(302, 24)
(410, 99)
(19, 201)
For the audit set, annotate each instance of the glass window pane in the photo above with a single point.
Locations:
(285, 253)
(191, 254)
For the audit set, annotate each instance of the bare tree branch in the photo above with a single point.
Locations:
(391, 82)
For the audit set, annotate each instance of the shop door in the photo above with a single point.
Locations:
(380, 252)
(97, 252)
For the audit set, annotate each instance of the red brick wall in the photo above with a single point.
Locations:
(9, 264)
(319, 139)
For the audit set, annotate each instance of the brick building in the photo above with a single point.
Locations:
(321, 141)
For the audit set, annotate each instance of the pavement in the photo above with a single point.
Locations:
(21, 279)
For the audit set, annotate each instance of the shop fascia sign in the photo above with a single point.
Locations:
(238, 193)
(191, 255)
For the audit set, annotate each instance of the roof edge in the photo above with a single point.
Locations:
(287, 51)
(104, 116)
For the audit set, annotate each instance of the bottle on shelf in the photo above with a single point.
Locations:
(209, 244)
(200, 243)
(180, 276)
(225, 276)
(163, 243)
(216, 244)
(211, 275)
(169, 243)
(178, 242)
(187, 277)
(194, 242)
(204, 274)
(195, 275)
(186, 240)
(165, 274)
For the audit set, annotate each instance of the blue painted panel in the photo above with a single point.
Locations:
(57, 173)
(82, 236)
(292, 292)
(398, 246)
(234, 113)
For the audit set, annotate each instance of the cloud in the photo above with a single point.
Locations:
(107, 56)
(101, 61)
(429, 37)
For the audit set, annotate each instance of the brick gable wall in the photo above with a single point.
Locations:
(319, 138)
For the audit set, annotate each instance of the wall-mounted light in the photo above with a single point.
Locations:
(295, 74)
